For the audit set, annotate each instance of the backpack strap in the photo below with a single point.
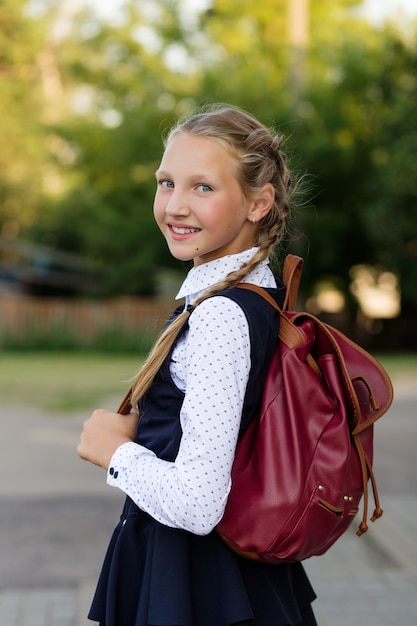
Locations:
(289, 333)
(125, 406)
(291, 276)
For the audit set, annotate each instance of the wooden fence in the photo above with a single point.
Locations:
(22, 315)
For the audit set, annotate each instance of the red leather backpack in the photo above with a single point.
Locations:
(303, 465)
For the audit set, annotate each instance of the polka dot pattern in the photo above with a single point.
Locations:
(211, 364)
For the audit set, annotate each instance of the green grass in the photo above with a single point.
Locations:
(78, 381)
(65, 381)
(399, 363)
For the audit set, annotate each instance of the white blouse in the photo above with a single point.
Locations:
(211, 364)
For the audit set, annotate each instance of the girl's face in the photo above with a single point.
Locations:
(199, 205)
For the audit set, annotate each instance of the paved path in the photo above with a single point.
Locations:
(56, 516)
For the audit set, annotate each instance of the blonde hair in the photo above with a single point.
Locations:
(260, 160)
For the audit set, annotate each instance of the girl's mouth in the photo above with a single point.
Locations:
(183, 230)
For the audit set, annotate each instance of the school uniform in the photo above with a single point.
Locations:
(166, 564)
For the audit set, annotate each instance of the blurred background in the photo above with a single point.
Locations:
(87, 88)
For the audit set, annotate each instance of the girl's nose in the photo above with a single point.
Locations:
(177, 204)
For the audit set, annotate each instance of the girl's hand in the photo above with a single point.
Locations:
(103, 433)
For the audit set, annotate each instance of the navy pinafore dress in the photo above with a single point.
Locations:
(154, 575)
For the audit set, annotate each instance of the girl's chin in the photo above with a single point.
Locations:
(181, 256)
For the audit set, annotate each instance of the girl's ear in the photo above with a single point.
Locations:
(262, 203)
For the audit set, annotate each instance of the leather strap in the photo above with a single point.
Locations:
(125, 406)
(261, 292)
(291, 276)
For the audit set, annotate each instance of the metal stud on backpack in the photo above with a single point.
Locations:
(304, 463)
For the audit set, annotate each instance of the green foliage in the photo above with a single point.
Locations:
(391, 218)
(108, 154)
(360, 136)
(22, 154)
(79, 165)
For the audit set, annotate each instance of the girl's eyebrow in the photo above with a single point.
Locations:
(195, 177)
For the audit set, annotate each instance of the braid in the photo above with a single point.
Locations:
(157, 356)
(260, 160)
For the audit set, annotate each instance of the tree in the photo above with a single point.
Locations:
(391, 218)
(106, 149)
(359, 137)
(348, 116)
(23, 152)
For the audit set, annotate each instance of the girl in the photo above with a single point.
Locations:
(222, 199)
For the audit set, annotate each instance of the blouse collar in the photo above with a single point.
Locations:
(202, 277)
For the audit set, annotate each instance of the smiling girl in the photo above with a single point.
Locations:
(222, 200)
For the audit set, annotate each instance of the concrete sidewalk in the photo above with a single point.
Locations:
(56, 516)
(371, 580)
(367, 581)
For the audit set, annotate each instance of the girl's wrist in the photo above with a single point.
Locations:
(115, 445)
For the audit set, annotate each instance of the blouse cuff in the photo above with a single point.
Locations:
(120, 461)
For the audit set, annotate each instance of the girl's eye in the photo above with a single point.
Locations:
(168, 184)
(204, 187)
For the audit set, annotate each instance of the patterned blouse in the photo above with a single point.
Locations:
(210, 364)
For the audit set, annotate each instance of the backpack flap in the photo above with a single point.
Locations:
(371, 382)
(368, 388)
